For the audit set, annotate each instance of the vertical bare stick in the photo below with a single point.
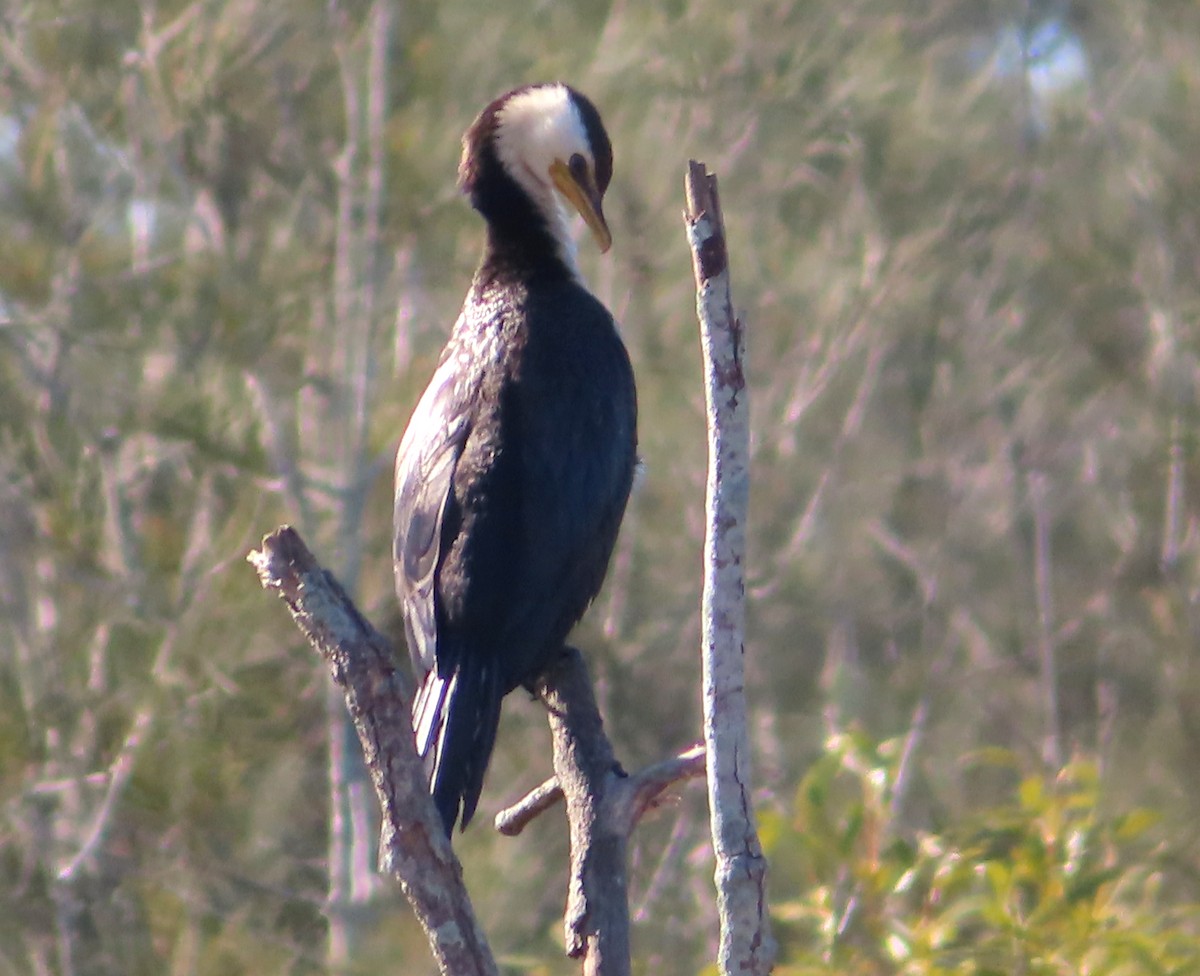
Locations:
(1174, 508)
(1052, 750)
(746, 944)
(363, 67)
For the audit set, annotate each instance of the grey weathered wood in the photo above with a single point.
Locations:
(413, 846)
(746, 945)
(603, 803)
(597, 919)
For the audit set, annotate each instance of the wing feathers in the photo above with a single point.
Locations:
(455, 720)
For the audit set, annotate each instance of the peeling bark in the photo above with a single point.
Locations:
(746, 945)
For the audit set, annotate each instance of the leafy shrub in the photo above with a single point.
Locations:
(1049, 882)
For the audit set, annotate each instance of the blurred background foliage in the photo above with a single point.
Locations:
(966, 247)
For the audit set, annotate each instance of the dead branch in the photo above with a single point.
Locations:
(597, 919)
(603, 803)
(746, 945)
(413, 845)
(644, 791)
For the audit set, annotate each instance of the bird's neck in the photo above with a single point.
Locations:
(531, 254)
(525, 237)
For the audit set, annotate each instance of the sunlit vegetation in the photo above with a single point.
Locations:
(964, 242)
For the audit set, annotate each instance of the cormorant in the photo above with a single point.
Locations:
(513, 474)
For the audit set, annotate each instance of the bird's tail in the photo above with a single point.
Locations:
(455, 719)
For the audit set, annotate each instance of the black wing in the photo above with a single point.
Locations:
(456, 707)
(425, 466)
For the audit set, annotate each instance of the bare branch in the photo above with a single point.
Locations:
(603, 803)
(413, 846)
(597, 919)
(1047, 651)
(1172, 534)
(746, 945)
(118, 777)
(647, 787)
(642, 792)
(512, 820)
(363, 67)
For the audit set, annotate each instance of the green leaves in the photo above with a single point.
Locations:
(1048, 882)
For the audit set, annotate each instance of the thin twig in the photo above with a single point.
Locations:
(1047, 652)
(641, 792)
(512, 820)
(118, 777)
(1173, 509)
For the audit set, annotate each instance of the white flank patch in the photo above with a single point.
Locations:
(534, 129)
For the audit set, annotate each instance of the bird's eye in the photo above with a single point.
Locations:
(579, 168)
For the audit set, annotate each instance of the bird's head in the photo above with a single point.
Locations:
(549, 140)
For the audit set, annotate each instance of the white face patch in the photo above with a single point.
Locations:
(534, 129)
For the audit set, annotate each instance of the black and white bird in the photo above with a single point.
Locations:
(514, 472)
